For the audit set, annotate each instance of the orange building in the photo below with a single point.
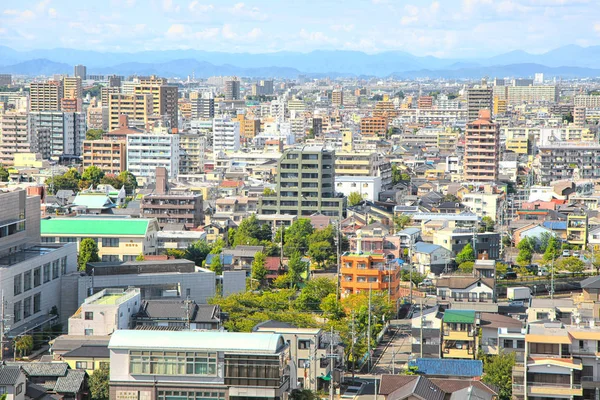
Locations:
(425, 102)
(373, 126)
(361, 271)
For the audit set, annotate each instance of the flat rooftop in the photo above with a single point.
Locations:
(27, 254)
(109, 299)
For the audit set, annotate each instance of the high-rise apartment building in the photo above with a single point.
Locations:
(45, 96)
(226, 134)
(425, 102)
(14, 136)
(337, 98)
(587, 101)
(305, 184)
(80, 71)
(5, 79)
(137, 107)
(105, 93)
(482, 149)
(193, 149)
(114, 81)
(479, 98)
(164, 98)
(232, 89)
(97, 118)
(72, 87)
(569, 161)
(373, 126)
(108, 155)
(526, 94)
(203, 105)
(64, 132)
(147, 151)
(263, 88)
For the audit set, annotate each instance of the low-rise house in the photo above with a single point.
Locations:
(54, 379)
(176, 238)
(420, 387)
(500, 333)
(12, 382)
(430, 258)
(466, 292)
(177, 314)
(88, 357)
(460, 334)
(426, 329)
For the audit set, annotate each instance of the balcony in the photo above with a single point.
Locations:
(459, 335)
(554, 389)
(458, 353)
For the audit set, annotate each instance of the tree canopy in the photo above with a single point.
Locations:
(3, 174)
(94, 134)
(497, 370)
(91, 176)
(259, 269)
(525, 252)
(99, 384)
(88, 252)
(354, 198)
(466, 254)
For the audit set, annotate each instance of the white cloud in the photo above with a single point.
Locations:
(195, 6)
(41, 6)
(168, 6)
(52, 13)
(342, 27)
(470, 5)
(207, 33)
(316, 37)
(176, 31)
(240, 9)
(25, 14)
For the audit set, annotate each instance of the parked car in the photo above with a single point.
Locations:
(516, 303)
(566, 253)
(543, 271)
(426, 283)
(509, 275)
(533, 268)
(576, 253)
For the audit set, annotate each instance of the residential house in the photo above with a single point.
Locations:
(467, 292)
(426, 331)
(421, 387)
(12, 382)
(460, 334)
(177, 314)
(362, 271)
(430, 259)
(500, 333)
(577, 229)
(88, 357)
(55, 379)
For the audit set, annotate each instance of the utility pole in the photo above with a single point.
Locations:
(352, 347)
(369, 333)
(2, 328)
(339, 246)
(422, 322)
(331, 390)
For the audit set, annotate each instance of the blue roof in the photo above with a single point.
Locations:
(560, 225)
(448, 367)
(427, 248)
(410, 231)
(226, 259)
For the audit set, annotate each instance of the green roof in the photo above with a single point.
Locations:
(459, 316)
(94, 226)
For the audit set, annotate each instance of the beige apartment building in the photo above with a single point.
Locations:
(72, 87)
(108, 155)
(137, 107)
(105, 93)
(482, 147)
(13, 137)
(164, 97)
(45, 96)
(97, 118)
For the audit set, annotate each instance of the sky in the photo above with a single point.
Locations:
(442, 28)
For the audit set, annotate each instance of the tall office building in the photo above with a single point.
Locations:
(45, 96)
(482, 149)
(80, 71)
(137, 107)
(337, 97)
(226, 134)
(14, 137)
(164, 98)
(479, 98)
(264, 87)
(305, 184)
(232, 89)
(203, 105)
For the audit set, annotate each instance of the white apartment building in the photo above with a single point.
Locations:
(368, 187)
(66, 132)
(482, 204)
(105, 312)
(14, 136)
(146, 151)
(226, 134)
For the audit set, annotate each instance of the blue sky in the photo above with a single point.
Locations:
(445, 28)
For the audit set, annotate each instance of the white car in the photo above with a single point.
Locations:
(426, 283)
(566, 253)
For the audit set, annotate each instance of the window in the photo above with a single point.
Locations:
(303, 363)
(104, 365)
(520, 344)
(81, 364)
(541, 315)
(173, 363)
(46, 272)
(89, 315)
(37, 277)
(178, 395)
(129, 257)
(27, 281)
(55, 269)
(27, 307)
(17, 311)
(63, 265)
(68, 240)
(2, 390)
(110, 242)
(19, 389)
(110, 258)
(88, 332)
(37, 303)
(17, 284)
(304, 344)
(508, 343)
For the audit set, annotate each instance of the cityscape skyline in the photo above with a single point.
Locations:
(446, 29)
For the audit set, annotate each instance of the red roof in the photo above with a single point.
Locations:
(231, 184)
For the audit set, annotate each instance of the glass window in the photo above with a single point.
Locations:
(110, 258)
(27, 281)
(55, 274)
(89, 332)
(17, 315)
(27, 307)
(63, 265)
(17, 284)
(81, 364)
(37, 303)
(46, 272)
(110, 242)
(173, 363)
(89, 315)
(37, 277)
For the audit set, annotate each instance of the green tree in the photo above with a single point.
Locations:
(99, 384)
(94, 134)
(572, 264)
(402, 221)
(112, 180)
(176, 253)
(525, 252)
(354, 198)
(497, 371)
(88, 252)
(68, 181)
(406, 276)
(450, 197)
(3, 174)
(140, 257)
(259, 269)
(303, 394)
(466, 254)
(129, 181)
(332, 307)
(197, 252)
(269, 192)
(552, 251)
(399, 176)
(250, 232)
(315, 290)
(91, 176)
(295, 237)
(216, 265)
(466, 267)
(296, 267)
(24, 345)
(489, 223)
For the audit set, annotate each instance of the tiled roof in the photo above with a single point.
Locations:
(462, 282)
(40, 369)
(453, 385)
(9, 375)
(71, 383)
(89, 351)
(390, 383)
(422, 388)
(448, 367)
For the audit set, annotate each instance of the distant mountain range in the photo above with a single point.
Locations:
(568, 61)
